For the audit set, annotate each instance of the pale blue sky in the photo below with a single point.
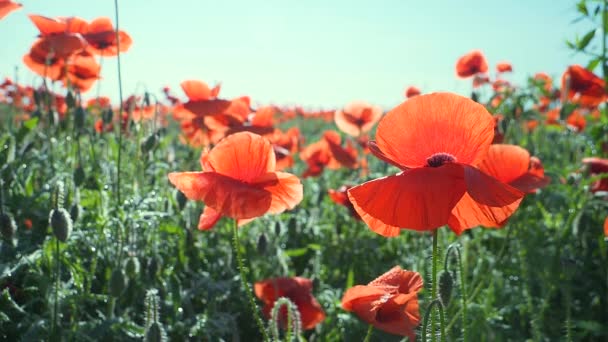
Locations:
(317, 53)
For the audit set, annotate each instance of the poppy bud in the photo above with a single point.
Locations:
(132, 266)
(37, 98)
(107, 116)
(118, 282)
(7, 226)
(149, 143)
(277, 228)
(70, 100)
(60, 221)
(474, 97)
(262, 243)
(75, 211)
(146, 99)
(79, 117)
(181, 199)
(79, 176)
(446, 283)
(155, 333)
(154, 265)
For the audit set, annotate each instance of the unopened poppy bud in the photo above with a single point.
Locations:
(474, 97)
(149, 143)
(80, 116)
(107, 116)
(7, 226)
(132, 266)
(118, 282)
(146, 99)
(277, 228)
(60, 221)
(181, 199)
(262, 243)
(79, 176)
(70, 100)
(75, 212)
(155, 333)
(446, 283)
(154, 264)
(37, 98)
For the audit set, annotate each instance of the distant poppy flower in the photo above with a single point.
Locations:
(82, 71)
(552, 117)
(597, 167)
(43, 62)
(513, 165)
(436, 140)
(27, 223)
(412, 91)
(470, 64)
(577, 121)
(328, 152)
(60, 36)
(480, 79)
(357, 117)
(239, 181)
(504, 67)
(285, 144)
(203, 100)
(102, 102)
(340, 197)
(101, 37)
(7, 6)
(389, 303)
(296, 289)
(583, 86)
(498, 134)
(545, 80)
(501, 85)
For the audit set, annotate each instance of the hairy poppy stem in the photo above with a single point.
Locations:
(425, 321)
(463, 292)
(55, 329)
(119, 105)
(368, 336)
(244, 283)
(434, 285)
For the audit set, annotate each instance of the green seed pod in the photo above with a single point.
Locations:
(107, 116)
(155, 333)
(79, 176)
(7, 226)
(181, 200)
(262, 243)
(70, 100)
(446, 283)
(277, 228)
(132, 266)
(149, 143)
(60, 221)
(75, 211)
(118, 282)
(80, 116)
(154, 265)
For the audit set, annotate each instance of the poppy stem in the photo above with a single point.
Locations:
(55, 330)
(119, 105)
(433, 284)
(368, 336)
(244, 283)
(425, 321)
(463, 292)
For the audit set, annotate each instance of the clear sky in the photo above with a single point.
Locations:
(318, 53)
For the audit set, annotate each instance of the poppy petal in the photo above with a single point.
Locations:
(243, 156)
(505, 162)
(345, 124)
(487, 190)
(469, 214)
(208, 218)
(376, 151)
(286, 190)
(435, 123)
(226, 195)
(360, 293)
(422, 199)
(7, 7)
(529, 182)
(196, 90)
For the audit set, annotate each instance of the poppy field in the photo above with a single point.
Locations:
(187, 215)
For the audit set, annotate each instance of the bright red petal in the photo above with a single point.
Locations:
(285, 189)
(7, 7)
(505, 162)
(196, 90)
(488, 190)
(208, 219)
(420, 199)
(469, 214)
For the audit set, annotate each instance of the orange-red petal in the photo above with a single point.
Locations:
(208, 218)
(469, 214)
(435, 123)
(285, 189)
(7, 7)
(505, 162)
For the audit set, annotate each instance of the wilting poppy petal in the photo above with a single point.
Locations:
(208, 218)
(505, 162)
(469, 214)
(426, 125)
(7, 7)
(244, 156)
(285, 189)
(419, 199)
(226, 195)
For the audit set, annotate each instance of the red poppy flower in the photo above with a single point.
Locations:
(389, 303)
(513, 165)
(296, 289)
(7, 6)
(552, 117)
(412, 91)
(436, 140)
(43, 62)
(340, 197)
(545, 80)
(479, 80)
(357, 117)
(504, 67)
(606, 227)
(285, 145)
(202, 100)
(239, 181)
(598, 166)
(101, 36)
(470, 64)
(101, 102)
(328, 152)
(82, 71)
(583, 86)
(60, 36)
(577, 121)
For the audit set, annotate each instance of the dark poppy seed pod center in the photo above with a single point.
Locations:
(438, 159)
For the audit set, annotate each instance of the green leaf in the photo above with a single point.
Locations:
(350, 278)
(581, 7)
(296, 252)
(582, 44)
(593, 64)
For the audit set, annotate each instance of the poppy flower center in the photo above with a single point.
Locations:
(438, 159)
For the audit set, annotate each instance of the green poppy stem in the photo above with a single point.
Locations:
(435, 257)
(368, 336)
(244, 283)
